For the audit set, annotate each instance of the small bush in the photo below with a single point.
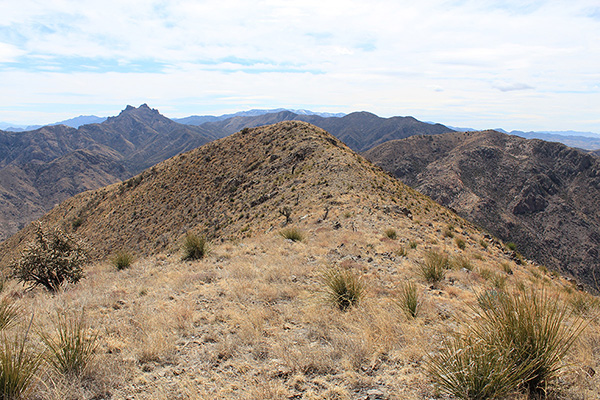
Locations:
(194, 247)
(473, 369)
(8, 313)
(18, 366)
(533, 325)
(293, 234)
(122, 260)
(412, 244)
(483, 244)
(433, 269)
(52, 259)
(71, 348)
(506, 268)
(408, 299)
(343, 288)
(400, 252)
(460, 262)
(391, 233)
(511, 246)
(460, 243)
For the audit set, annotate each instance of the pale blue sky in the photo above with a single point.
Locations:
(529, 65)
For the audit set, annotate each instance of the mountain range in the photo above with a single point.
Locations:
(41, 168)
(541, 195)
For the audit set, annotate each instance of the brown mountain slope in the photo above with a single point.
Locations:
(542, 196)
(251, 319)
(41, 168)
(228, 188)
(359, 130)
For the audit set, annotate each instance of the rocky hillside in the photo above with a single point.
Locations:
(542, 196)
(252, 319)
(359, 130)
(41, 168)
(230, 188)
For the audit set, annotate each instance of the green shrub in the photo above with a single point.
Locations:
(533, 326)
(391, 233)
(511, 246)
(293, 234)
(194, 247)
(71, 348)
(8, 313)
(433, 269)
(343, 288)
(53, 258)
(18, 366)
(408, 299)
(122, 260)
(472, 369)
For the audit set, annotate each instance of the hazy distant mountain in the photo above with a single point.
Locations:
(541, 195)
(72, 122)
(359, 130)
(41, 168)
(201, 119)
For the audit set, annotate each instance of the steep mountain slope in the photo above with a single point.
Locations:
(542, 196)
(43, 167)
(251, 320)
(359, 130)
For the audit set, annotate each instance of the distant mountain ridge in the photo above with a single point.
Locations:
(541, 195)
(201, 119)
(41, 168)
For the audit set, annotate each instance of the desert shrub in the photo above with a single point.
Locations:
(293, 234)
(18, 366)
(391, 233)
(408, 299)
(412, 244)
(53, 258)
(483, 244)
(517, 343)
(8, 313)
(472, 369)
(122, 260)
(433, 269)
(460, 262)
(506, 268)
(533, 326)
(71, 347)
(194, 247)
(343, 288)
(460, 243)
(511, 246)
(400, 252)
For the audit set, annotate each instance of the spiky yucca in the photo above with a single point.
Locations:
(408, 299)
(18, 366)
(71, 347)
(343, 288)
(433, 269)
(194, 247)
(9, 312)
(293, 234)
(122, 260)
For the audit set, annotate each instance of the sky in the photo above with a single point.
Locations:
(526, 65)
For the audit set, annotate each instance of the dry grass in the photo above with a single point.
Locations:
(247, 321)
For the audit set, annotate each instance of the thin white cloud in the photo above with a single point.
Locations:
(394, 57)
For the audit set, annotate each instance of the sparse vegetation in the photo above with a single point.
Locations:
(53, 258)
(194, 247)
(460, 262)
(408, 299)
(71, 347)
(522, 338)
(9, 312)
(18, 366)
(460, 243)
(433, 269)
(483, 244)
(343, 288)
(391, 233)
(412, 244)
(506, 268)
(122, 260)
(511, 246)
(293, 234)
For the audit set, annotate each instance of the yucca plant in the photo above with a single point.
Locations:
(9, 312)
(391, 233)
(343, 288)
(18, 366)
(433, 269)
(408, 299)
(122, 260)
(534, 326)
(293, 234)
(71, 347)
(194, 247)
(473, 369)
